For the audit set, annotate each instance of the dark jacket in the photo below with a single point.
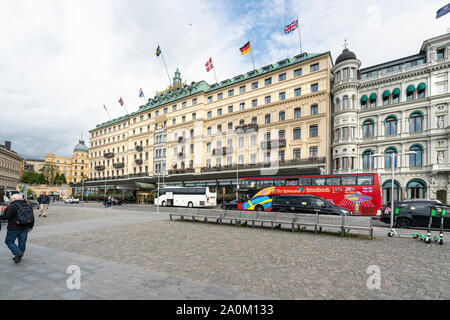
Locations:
(43, 199)
(10, 214)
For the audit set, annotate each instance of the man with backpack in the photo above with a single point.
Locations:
(20, 221)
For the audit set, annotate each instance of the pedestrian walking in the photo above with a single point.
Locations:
(20, 221)
(109, 202)
(105, 202)
(44, 201)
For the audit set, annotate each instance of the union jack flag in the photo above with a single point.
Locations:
(121, 101)
(291, 27)
(141, 93)
(209, 65)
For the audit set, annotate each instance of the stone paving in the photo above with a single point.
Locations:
(127, 254)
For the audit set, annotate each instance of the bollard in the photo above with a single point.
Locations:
(342, 225)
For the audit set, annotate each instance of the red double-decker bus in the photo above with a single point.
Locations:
(359, 193)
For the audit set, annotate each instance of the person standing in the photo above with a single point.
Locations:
(44, 201)
(20, 221)
(105, 202)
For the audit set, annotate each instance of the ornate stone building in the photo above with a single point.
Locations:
(11, 167)
(395, 114)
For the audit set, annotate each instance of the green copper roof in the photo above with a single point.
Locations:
(180, 91)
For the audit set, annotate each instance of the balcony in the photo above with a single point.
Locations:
(139, 148)
(222, 151)
(250, 127)
(288, 163)
(99, 168)
(138, 161)
(180, 171)
(108, 155)
(275, 143)
(119, 165)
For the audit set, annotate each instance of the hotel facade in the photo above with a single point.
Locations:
(271, 121)
(395, 115)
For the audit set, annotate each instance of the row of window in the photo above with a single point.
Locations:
(391, 155)
(388, 97)
(391, 125)
(242, 89)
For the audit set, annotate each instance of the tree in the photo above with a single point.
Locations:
(49, 171)
(30, 177)
(41, 179)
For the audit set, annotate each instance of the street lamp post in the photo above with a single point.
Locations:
(393, 156)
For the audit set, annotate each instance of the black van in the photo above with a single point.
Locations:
(307, 204)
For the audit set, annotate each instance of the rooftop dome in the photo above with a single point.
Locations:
(346, 55)
(81, 147)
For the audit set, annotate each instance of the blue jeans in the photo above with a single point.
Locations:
(10, 240)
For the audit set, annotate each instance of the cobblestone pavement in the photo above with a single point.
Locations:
(131, 254)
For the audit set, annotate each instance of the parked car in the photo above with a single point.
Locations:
(414, 214)
(72, 200)
(231, 205)
(307, 204)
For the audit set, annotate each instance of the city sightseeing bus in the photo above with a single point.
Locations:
(359, 193)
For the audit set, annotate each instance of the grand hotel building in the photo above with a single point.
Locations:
(271, 121)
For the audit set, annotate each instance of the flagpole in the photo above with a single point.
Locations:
(215, 76)
(107, 112)
(299, 39)
(253, 61)
(162, 56)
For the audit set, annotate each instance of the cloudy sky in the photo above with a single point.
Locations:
(61, 60)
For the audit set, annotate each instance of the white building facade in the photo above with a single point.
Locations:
(399, 107)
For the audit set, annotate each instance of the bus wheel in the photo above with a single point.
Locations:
(259, 208)
(190, 205)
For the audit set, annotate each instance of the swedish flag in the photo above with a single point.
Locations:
(158, 51)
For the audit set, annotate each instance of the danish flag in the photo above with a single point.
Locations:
(121, 101)
(209, 65)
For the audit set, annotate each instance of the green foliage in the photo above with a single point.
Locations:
(30, 177)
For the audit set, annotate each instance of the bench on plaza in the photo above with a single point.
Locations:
(292, 220)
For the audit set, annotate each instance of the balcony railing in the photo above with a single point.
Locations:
(222, 151)
(288, 163)
(275, 143)
(180, 171)
(249, 127)
(138, 161)
(119, 165)
(139, 148)
(99, 168)
(108, 155)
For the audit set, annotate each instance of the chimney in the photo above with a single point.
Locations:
(8, 145)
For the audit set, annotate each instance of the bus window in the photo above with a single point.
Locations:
(291, 182)
(305, 182)
(318, 181)
(333, 181)
(348, 181)
(259, 184)
(244, 184)
(267, 183)
(251, 184)
(278, 183)
(365, 181)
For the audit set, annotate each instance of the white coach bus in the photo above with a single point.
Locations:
(186, 197)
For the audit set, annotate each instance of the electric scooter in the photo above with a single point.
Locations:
(440, 238)
(393, 232)
(432, 215)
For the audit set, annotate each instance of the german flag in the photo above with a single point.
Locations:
(246, 48)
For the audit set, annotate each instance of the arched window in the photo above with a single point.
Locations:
(416, 189)
(415, 122)
(337, 105)
(421, 91)
(373, 100)
(364, 102)
(396, 96)
(390, 158)
(410, 93)
(368, 128)
(415, 160)
(368, 159)
(391, 126)
(386, 96)
(387, 191)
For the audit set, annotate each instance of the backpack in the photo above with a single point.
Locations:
(25, 215)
